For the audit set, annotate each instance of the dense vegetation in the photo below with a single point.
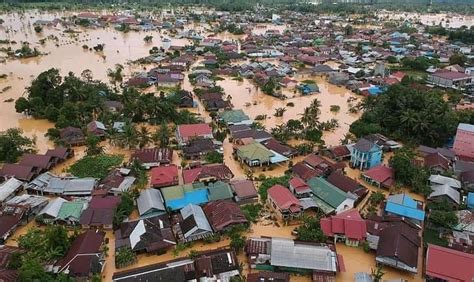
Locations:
(41, 246)
(408, 173)
(267, 183)
(13, 144)
(95, 166)
(410, 113)
(310, 230)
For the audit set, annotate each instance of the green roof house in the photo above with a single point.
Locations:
(235, 117)
(328, 197)
(70, 212)
(219, 191)
(254, 154)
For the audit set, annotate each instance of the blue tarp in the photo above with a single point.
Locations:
(470, 200)
(196, 197)
(374, 90)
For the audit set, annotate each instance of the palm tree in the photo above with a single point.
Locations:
(279, 112)
(143, 136)
(377, 273)
(162, 135)
(115, 75)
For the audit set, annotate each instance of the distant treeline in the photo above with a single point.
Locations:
(324, 6)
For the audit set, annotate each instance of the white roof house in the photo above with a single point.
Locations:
(9, 188)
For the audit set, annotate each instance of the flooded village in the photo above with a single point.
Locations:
(190, 143)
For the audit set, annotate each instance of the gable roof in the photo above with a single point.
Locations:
(445, 190)
(282, 197)
(164, 176)
(327, 192)
(404, 205)
(199, 221)
(234, 116)
(401, 242)
(150, 200)
(255, 151)
(153, 155)
(35, 160)
(440, 180)
(71, 210)
(82, 254)
(194, 130)
(346, 183)
(449, 264)
(21, 172)
(222, 214)
(218, 171)
(244, 188)
(364, 145)
(219, 191)
(53, 207)
(381, 174)
(9, 187)
(349, 223)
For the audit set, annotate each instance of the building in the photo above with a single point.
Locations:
(404, 206)
(84, 258)
(194, 224)
(268, 276)
(254, 154)
(177, 197)
(464, 141)
(149, 235)
(164, 176)
(366, 154)
(244, 190)
(223, 214)
(153, 157)
(298, 187)
(150, 203)
(207, 173)
(445, 189)
(9, 188)
(72, 136)
(283, 202)
(50, 184)
(7, 253)
(381, 176)
(198, 148)
(212, 265)
(450, 79)
(100, 212)
(443, 264)
(235, 117)
(219, 191)
(328, 198)
(187, 132)
(348, 185)
(20, 172)
(347, 226)
(398, 247)
(281, 254)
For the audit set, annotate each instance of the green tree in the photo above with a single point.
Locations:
(214, 157)
(124, 257)
(148, 38)
(445, 219)
(162, 135)
(32, 270)
(93, 146)
(458, 59)
(13, 145)
(38, 29)
(377, 273)
(310, 230)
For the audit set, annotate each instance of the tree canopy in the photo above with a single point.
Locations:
(13, 145)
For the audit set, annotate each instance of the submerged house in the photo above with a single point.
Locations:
(347, 226)
(192, 224)
(283, 202)
(177, 197)
(366, 154)
(281, 254)
(150, 203)
(404, 206)
(149, 235)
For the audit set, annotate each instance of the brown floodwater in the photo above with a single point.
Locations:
(445, 19)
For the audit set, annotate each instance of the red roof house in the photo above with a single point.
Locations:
(283, 202)
(347, 225)
(206, 173)
(398, 75)
(380, 176)
(185, 132)
(164, 176)
(299, 187)
(100, 212)
(448, 264)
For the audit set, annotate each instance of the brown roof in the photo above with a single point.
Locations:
(399, 241)
(268, 276)
(153, 155)
(339, 151)
(346, 183)
(81, 259)
(223, 214)
(304, 171)
(21, 172)
(39, 161)
(217, 171)
(244, 189)
(436, 159)
(60, 153)
(273, 144)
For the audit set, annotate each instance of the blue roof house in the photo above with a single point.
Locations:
(366, 154)
(470, 200)
(404, 206)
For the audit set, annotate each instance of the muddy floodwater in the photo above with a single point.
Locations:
(68, 55)
(445, 19)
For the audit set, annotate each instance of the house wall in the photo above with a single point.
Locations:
(364, 160)
(347, 204)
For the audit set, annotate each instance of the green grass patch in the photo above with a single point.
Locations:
(95, 166)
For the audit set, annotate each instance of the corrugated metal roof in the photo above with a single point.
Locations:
(53, 207)
(9, 187)
(150, 199)
(288, 253)
(199, 216)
